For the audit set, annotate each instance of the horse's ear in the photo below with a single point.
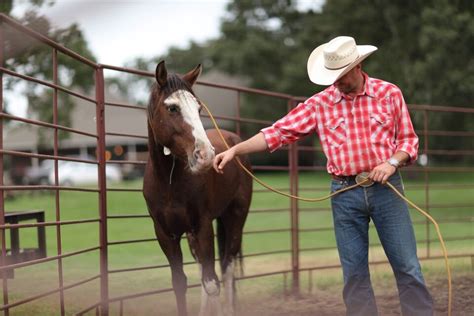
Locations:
(161, 74)
(192, 76)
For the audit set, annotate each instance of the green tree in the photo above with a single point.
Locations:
(425, 47)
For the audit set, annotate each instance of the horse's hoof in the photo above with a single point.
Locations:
(211, 287)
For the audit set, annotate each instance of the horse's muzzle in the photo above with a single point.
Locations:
(201, 160)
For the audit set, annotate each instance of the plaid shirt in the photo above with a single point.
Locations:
(356, 134)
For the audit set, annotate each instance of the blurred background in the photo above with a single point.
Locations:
(425, 47)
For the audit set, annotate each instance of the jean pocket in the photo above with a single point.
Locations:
(337, 185)
(397, 181)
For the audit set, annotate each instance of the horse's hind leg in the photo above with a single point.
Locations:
(229, 229)
(172, 249)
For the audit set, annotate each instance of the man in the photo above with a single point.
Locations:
(364, 126)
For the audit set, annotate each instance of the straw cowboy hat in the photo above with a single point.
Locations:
(330, 61)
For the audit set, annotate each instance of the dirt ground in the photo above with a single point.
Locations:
(255, 298)
(322, 303)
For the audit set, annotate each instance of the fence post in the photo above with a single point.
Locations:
(56, 181)
(295, 262)
(2, 201)
(427, 182)
(237, 115)
(100, 122)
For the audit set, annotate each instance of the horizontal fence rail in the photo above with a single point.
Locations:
(103, 218)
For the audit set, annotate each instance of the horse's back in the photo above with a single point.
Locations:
(216, 140)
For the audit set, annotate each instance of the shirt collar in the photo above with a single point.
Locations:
(368, 89)
(368, 86)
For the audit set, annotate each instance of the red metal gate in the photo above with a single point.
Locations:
(103, 218)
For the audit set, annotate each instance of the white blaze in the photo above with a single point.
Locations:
(189, 108)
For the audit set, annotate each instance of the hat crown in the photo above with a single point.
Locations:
(340, 52)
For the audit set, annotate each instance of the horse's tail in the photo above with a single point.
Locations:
(221, 242)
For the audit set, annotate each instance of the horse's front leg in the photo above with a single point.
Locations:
(172, 249)
(210, 288)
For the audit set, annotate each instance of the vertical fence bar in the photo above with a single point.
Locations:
(2, 201)
(293, 162)
(237, 115)
(56, 181)
(100, 121)
(427, 182)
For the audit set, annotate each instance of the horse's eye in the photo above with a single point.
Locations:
(173, 108)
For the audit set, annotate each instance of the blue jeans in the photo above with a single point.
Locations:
(352, 212)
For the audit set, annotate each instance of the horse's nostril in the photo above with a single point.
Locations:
(203, 155)
(197, 154)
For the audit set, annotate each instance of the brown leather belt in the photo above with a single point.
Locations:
(342, 178)
(360, 179)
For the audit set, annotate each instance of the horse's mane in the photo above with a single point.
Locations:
(173, 83)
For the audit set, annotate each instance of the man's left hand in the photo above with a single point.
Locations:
(382, 172)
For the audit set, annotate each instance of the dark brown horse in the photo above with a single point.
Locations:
(184, 194)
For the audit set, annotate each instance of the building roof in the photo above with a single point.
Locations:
(25, 137)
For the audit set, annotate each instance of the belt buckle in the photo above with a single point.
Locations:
(363, 180)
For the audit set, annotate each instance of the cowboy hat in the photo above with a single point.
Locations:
(330, 61)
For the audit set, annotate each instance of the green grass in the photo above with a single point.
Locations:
(83, 205)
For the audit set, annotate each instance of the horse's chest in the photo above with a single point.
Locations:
(179, 217)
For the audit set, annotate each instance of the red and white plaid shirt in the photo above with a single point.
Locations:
(356, 134)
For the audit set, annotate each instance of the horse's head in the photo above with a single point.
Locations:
(173, 118)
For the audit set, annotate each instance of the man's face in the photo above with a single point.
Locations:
(350, 81)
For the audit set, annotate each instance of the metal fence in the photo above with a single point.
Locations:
(103, 219)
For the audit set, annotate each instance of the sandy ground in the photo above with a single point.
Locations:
(264, 297)
(324, 303)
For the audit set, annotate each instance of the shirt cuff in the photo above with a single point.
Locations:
(272, 137)
(411, 150)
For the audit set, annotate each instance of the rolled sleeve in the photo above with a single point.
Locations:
(411, 150)
(272, 137)
(297, 123)
(407, 140)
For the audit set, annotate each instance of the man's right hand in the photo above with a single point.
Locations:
(222, 159)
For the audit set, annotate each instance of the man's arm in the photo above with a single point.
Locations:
(406, 141)
(254, 144)
(296, 124)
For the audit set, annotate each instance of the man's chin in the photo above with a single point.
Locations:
(345, 89)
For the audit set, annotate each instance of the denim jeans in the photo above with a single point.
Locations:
(352, 212)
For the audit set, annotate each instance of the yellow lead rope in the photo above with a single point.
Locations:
(443, 246)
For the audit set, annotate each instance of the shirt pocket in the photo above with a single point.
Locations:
(336, 133)
(381, 128)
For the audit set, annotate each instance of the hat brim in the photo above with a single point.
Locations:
(323, 76)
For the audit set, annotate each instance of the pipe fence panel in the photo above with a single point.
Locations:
(101, 255)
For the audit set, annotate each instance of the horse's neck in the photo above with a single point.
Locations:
(164, 165)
